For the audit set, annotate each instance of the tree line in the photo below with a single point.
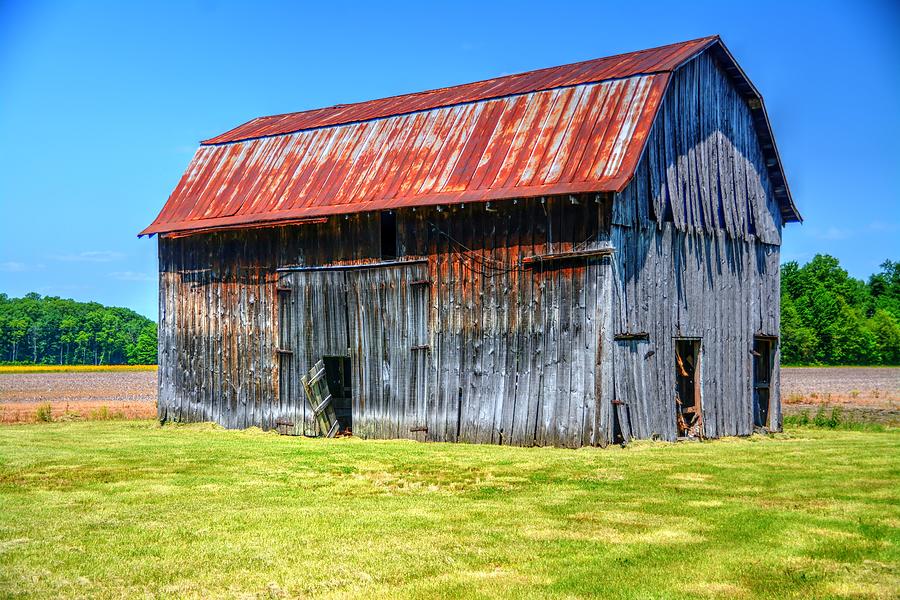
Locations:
(39, 329)
(827, 318)
(830, 318)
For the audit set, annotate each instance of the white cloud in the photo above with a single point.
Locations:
(831, 234)
(91, 256)
(12, 266)
(131, 276)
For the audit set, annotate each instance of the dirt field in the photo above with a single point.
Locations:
(863, 393)
(129, 394)
(871, 394)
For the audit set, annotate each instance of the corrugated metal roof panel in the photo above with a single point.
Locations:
(642, 62)
(563, 140)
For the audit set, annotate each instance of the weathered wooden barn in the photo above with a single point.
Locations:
(573, 256)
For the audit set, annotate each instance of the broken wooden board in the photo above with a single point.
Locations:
(319, 398)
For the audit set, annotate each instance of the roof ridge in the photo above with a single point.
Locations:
(234, 134)
(488, 79)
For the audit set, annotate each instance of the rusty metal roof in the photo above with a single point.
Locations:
(570, 129)
(655, 60)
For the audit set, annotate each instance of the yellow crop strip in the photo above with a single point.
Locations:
(4, 369)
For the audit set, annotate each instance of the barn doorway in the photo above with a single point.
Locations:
(763, 362)
(367, 325)
(688, 406)
(337, 375)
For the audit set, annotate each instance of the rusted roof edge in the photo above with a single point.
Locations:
(288, 217)
(242, 227)
(623, 180)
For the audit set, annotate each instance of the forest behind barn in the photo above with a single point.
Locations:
(39, 329)
(830, 318)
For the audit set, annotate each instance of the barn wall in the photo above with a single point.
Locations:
(514, 354)
(669, 284)
(697, 236)
(218, 321)
(703, 169)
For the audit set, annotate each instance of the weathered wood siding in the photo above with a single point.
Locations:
(697, 236)
(516, 352)
(219, 321)
(703, 169)
(378, 317)
(466, 345)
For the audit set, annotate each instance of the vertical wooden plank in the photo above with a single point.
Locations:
(511, 296)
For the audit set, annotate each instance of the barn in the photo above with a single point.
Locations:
(579, 255)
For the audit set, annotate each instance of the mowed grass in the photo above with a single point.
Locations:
(113, 509)
(72, 368)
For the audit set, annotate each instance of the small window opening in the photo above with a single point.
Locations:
(762, 380)
(337, 375)
(388, 235)
(751, 219)
(651, 200)
(688, 409)
(284, 318)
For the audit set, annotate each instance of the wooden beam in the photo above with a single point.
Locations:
(640, 335)
(538, 259)
(371, 265)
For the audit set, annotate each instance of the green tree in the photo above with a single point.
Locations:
(60, 331)
(828, 317)
(145, 348)
(798, 342)
(884, 287)
(886, 330)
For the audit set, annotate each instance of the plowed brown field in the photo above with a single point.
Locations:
(123, 394)
(863, 392)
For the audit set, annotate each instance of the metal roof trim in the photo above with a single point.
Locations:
(789, 211)
(311, 214)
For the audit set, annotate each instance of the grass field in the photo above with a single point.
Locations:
(9, 369)
(111, 509)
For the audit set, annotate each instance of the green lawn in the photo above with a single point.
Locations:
(111, 509)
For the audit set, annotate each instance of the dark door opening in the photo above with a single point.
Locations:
(688, 408)
(388, 235)
(337, 375)
(762, 380)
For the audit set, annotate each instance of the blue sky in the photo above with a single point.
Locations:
(102, 105)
